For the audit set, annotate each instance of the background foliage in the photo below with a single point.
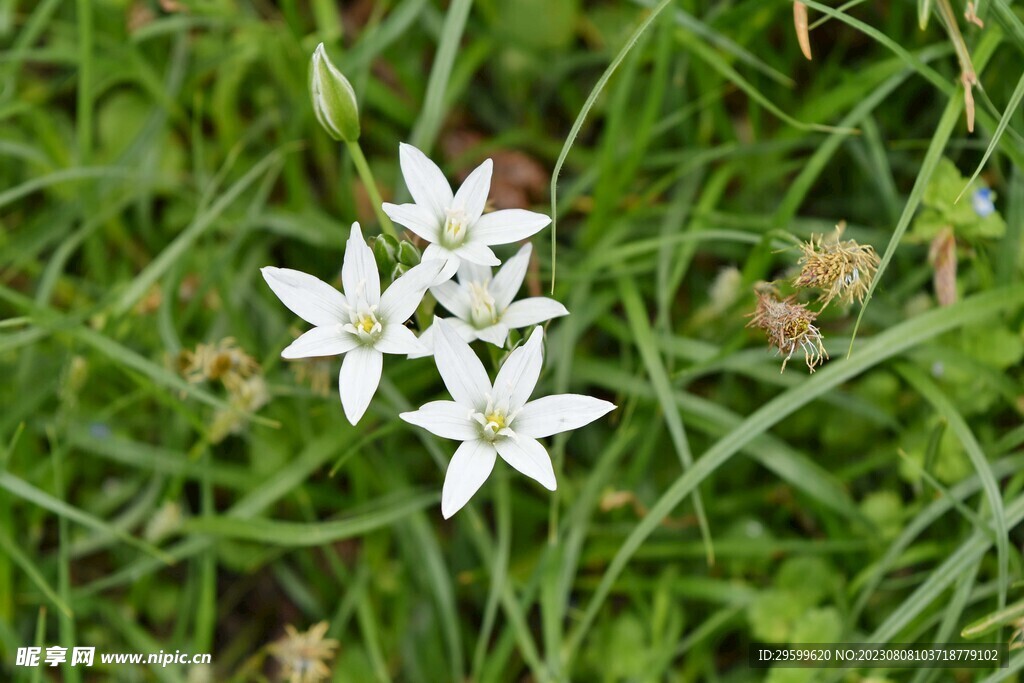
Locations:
(154, 155)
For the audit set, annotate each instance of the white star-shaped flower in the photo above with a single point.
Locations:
(456, 225)
(496, 420)
(362, 323)
(483, 305)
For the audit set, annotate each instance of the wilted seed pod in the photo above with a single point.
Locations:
(789, 326)
(385, 252)
(942, 256)
(334, 100)
(408, 254)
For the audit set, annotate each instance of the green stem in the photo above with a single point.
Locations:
(366, 175)
(84, 92)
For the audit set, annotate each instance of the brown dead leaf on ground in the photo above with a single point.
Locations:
(355, 15)
(519, 180)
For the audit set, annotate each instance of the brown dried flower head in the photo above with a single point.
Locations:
(303, 656)
(789, 326)
(223, 361)
(842, 268)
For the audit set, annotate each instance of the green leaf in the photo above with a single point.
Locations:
(301, 534)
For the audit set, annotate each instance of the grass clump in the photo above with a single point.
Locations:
(169, 482)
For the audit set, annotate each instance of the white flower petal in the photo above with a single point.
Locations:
(473, 272)
(397, 338)
(510, 278)
(425, 181)
(452, 261)
(453, 297)
(478, 253)
(426, 339)
(446, 419)
(358, 380)
(462, 328)
(400, 300)
(467, 471)
(329, 340)
(531, 311)
(460, 369)
(415, 217)
(560, 413)
(359, 271)
(306, 296)
(519, 373)
(472, 196)
(436, 251)
(529, 457)
(495, 334)
(507, 225)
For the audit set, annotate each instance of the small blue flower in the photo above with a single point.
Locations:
(99, 430)
(983, 201)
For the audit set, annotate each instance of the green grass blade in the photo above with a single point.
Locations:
(21, 488)
(1004, 121)
(994, 621)
(715, 61)
(429, 123)
(644, 337)
(931, 392)
(200, 224)
(570, 140)
(924, 519)
(884, 346)
(300, 534)
(936, 79)
(12, 550)
(701, 29)
(924, 9)
(938, 143)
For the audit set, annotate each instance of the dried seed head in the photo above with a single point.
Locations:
(842, 268)
(303, 656)
(223, 361)
(245, 397)
(316, 372)
(789, 326)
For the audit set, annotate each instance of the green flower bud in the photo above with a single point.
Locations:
(334, 100)
(408, 253)
(399, 271)
(385, 251)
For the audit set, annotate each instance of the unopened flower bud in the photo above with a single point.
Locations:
(385, 252)
(399, 270)
(408, 254)
(334, 100)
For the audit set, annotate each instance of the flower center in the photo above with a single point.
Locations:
(494, 421)
(456, 226)
(364, 324)
(482, 311)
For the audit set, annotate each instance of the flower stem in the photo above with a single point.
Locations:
(366, 175)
